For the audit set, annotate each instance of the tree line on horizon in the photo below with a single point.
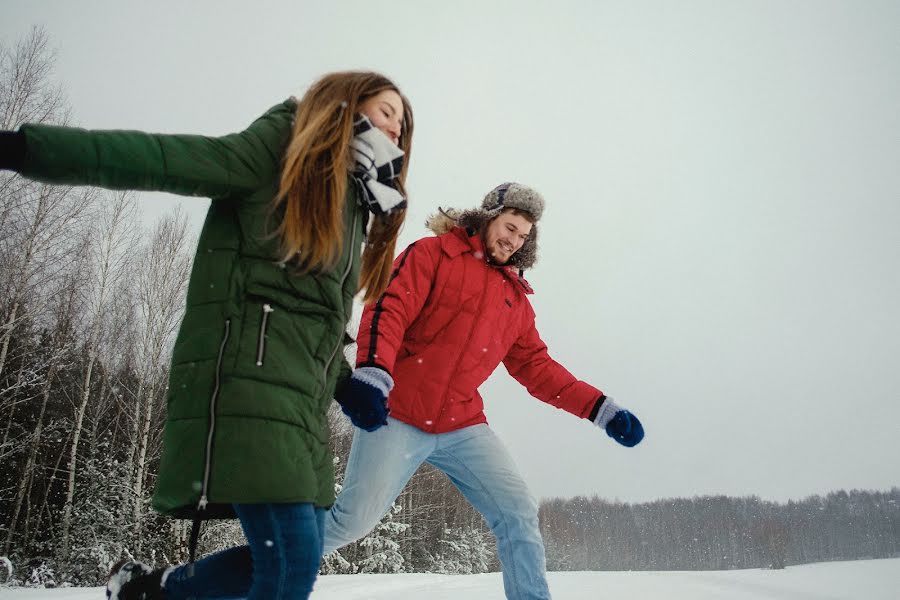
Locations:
(720, 532)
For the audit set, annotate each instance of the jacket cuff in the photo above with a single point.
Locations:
(373, 364)
(606, 410)
(596, 408)
(12, 150)
(377, 377)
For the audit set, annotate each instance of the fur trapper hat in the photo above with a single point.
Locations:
(514, 195)
(507, 195)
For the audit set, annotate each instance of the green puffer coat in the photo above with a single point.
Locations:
(259, 351)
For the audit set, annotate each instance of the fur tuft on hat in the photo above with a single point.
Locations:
(507, 195)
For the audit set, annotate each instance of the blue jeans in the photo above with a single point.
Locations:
(280, 562)
(382, 462)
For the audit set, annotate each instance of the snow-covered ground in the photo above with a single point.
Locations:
(856, 580)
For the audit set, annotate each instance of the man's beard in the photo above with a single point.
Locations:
(489, 255)
(493, 259)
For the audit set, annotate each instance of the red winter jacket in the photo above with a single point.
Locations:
(444, 323)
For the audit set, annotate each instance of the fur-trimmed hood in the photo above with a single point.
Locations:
(474, 219)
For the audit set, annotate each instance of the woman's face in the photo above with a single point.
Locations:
(385, 111)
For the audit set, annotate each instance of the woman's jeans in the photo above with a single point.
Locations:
(381, 463)
(280, 562)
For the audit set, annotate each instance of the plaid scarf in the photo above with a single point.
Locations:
(377, 162)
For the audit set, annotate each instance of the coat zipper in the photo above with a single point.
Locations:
(207, 468)
(261, 346)
(343, 279)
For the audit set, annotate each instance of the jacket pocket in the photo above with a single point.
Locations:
(281, 347)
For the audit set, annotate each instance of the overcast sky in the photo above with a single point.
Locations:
(721, 246)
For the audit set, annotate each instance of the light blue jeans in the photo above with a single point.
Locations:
(383, 461)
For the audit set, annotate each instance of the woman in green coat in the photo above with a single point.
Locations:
(258, 354)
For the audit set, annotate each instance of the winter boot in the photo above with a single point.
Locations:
(133, 580)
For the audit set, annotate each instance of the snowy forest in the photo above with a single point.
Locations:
(90, 299)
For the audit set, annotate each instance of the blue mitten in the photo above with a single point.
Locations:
(619, 424)
(363, 397)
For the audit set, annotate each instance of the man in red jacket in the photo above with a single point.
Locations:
(455, 308)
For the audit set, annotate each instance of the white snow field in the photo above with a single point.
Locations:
(853, 580)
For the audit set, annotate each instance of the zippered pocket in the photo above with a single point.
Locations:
(261, 344)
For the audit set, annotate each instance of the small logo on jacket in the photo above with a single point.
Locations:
(508, 302)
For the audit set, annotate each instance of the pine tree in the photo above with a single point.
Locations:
(381, 546)
(463, 551)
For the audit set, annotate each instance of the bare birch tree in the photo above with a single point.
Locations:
(162, 277)
(39, 246)
(110, 250)
(31, 214)
(36, 220)
(59, 343)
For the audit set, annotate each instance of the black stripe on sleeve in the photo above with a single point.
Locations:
(379, 308)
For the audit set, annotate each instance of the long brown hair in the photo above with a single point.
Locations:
(314, 180)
